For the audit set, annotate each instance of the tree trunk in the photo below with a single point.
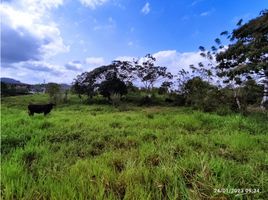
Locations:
(237, 100)
(80, 97)
(264, 102)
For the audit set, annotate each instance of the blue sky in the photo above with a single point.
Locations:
(55, 40)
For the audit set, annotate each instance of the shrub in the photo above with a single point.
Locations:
(115, 99)
(195, 91)
(147, 100)
(180, 100)
(251, 93)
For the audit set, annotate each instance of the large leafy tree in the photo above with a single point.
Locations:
(89, 82)
(125, 71)
(246, 57)
(112, 85)
(149, 74)
(79, 85)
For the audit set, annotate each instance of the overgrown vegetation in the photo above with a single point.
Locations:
(82, 151)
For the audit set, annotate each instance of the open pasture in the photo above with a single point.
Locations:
(83, 151)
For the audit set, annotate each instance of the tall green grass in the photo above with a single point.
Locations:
(102, 152)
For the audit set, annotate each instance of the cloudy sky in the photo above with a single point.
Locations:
(55, 40)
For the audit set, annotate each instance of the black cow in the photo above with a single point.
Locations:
(40, 108)
(168, 100)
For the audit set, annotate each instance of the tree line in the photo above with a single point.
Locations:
(229, 78)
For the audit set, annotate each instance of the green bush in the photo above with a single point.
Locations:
(115, 99)
(147, 100)
(251, 93)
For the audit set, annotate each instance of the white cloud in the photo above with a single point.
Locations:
(125, 58)
(173, 60)
(195, 2)
(207, 13)
(40, 66)
(94, 61)
(39, 6)
(87, 64)
(93, 3)
(26, 25)
(176, 61)
(146, 8)
(29, 37)
(203, 14)
(74, 66)
(36, 71)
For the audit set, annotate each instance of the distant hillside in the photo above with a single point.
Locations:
(13, 81)
(12, 87)
(10, 81)
(65, 86)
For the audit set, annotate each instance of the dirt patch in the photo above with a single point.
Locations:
(125, 144)
(29, 158)
(163, 187)
(153, 160)
(118, 165)
(97, 148)
(177, 152)
(117, 187)
(188, 176)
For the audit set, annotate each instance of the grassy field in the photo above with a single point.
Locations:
(101, 152)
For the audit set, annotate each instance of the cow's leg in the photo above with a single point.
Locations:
(30, 113)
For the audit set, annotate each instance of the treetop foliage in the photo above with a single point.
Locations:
(247, 54)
